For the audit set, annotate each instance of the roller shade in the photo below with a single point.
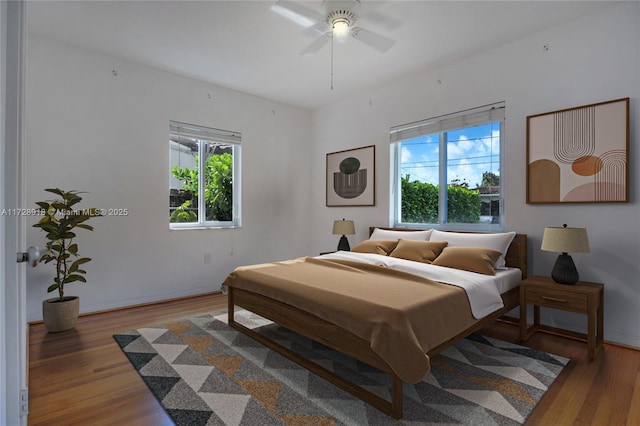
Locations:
(199, 132)
(468, 118)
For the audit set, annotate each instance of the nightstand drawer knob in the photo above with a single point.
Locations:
(555, 299)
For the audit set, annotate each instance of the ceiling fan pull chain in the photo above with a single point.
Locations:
(332, 59)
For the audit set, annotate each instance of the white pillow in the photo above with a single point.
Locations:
(497, 241)
(385, 234)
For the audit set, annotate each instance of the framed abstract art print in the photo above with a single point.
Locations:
(579, 155)
(351, 177)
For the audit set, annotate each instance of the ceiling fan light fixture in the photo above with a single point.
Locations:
(336, 26)
(340, 22)
(340, 28)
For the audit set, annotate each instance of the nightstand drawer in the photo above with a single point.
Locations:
(557, 298)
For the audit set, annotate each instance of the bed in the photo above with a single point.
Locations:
(322, 298)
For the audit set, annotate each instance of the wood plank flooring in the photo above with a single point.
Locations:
(602, 392)
(81, 377)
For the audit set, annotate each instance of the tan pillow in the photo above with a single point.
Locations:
(383, 247)
(419, 251)
(497, 241)
(474, 259)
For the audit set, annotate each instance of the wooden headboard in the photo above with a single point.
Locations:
(516, 256)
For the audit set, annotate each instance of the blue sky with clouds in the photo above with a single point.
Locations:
(470, 152)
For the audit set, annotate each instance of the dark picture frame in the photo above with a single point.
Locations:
(579, 155)
(351, 177)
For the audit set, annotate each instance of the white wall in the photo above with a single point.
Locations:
(592, 59)
(91, 130)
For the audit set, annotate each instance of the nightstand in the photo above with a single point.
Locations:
(582, 297)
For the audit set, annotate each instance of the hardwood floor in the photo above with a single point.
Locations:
(601, 392)
(81, 377)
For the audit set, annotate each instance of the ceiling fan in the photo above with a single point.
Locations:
(337, 23)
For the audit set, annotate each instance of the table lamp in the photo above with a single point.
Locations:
(343, 227)
(565, 240)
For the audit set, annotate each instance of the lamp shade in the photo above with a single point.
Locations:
(565, 240)
(343, 227)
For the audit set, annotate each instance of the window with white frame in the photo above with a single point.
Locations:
(446, 170)
(204, 176)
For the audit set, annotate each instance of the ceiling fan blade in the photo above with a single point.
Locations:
(377, 41)
(318, 29)
(296, 13)
(316, 45)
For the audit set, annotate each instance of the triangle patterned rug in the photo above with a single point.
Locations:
(205, 373)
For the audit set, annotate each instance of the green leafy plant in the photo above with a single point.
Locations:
(463, 205)
(218, 191)
(420, 202)
(182, 214)
(60, 220)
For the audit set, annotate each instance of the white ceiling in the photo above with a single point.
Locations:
(245, 45)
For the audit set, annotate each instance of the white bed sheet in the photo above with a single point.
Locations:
(482, 290)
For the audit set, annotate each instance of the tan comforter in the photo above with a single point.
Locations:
(402, 315)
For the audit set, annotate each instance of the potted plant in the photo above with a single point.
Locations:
(61, 217)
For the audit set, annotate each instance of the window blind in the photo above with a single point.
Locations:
(199, 132)
(468, 118)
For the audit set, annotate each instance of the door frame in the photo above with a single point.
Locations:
(13, 319)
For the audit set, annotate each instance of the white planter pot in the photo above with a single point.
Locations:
(60, 315)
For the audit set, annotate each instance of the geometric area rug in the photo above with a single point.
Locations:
(205, 373)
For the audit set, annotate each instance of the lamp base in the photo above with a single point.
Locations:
(564, 270)
(343, 244)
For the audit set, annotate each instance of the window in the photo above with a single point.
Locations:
(446, 170)
(204, 173)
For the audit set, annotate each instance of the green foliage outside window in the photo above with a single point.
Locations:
(420, 203)
(183, 214)
(218, 189)
(463, 205)
(490, 179)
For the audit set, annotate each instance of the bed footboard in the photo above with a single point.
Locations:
(340, 340)
(322, 332)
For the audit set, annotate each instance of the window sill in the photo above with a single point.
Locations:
(202, 227)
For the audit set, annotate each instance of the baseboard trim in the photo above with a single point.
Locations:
(139, 305)
(565, 333)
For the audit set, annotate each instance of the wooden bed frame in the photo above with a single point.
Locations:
(344, 341)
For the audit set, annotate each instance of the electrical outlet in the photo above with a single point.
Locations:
(207, 257)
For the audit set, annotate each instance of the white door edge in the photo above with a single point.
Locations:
(13, 320)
